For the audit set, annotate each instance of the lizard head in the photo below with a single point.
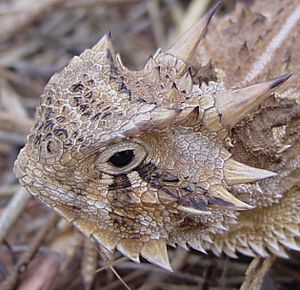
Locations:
(138, 159)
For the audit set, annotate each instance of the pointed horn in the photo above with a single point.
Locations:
(183, 245)
(237, 173)
(149, 118)
(220, 197)
(151, 64)
(186, 45)
(106, 239)
(155, 251)
(173, 95)
(235, 105)
(192, 210)
(154, 74)
(119, 62)
(193, 205)
(105, 43)
(197, 245)
(162, 118)
(185, 83)
(130, 249)
(190, 116)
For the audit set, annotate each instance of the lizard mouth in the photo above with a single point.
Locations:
(154, 251)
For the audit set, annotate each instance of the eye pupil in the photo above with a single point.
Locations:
(122, 158)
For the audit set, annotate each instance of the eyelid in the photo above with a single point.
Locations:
(102, 161)
(107, 153)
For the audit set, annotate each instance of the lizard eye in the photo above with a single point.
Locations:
(120, 158)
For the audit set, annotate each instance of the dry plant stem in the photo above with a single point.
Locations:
(150, 268)
(156, 22)
(177, 263)
(8, 190)
(89, 263)
(43, 274)
(14, 123)
(120, 278)
(15, 23)
(92, 3)
(176, 11)
(4, 148)
(112, 264)
(288, 272)
(70, 250)
(21, 197)
(195, 10)
(12, 211)
(130, 277)
(31, 86)
(256, 273)
(67, 244)
(12, 138)
(16, 119)
(224, 273)
(10, 101)
(16, 54)
(21, 266)
(106, 256)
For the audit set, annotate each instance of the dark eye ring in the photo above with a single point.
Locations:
(122, 158)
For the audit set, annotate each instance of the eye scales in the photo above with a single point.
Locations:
(183, 186)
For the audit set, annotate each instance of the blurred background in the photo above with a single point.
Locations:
(37, 39)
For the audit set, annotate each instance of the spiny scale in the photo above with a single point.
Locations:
(236, 173)
(236, 105)
(130, 248)
(224, 199)
(155, 252)
(106, 239)
(190, 116)
(186, 45)
(105, 43)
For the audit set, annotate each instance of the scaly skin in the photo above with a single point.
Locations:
(177, 130)
(269, 137)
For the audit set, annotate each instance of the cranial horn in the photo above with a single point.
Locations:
(105, 44)
(236, 173)
(235, 105)
(162, 118)
(186, 45)
(150, 118)
(220, 197)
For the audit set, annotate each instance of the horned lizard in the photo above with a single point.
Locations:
(138, 160)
